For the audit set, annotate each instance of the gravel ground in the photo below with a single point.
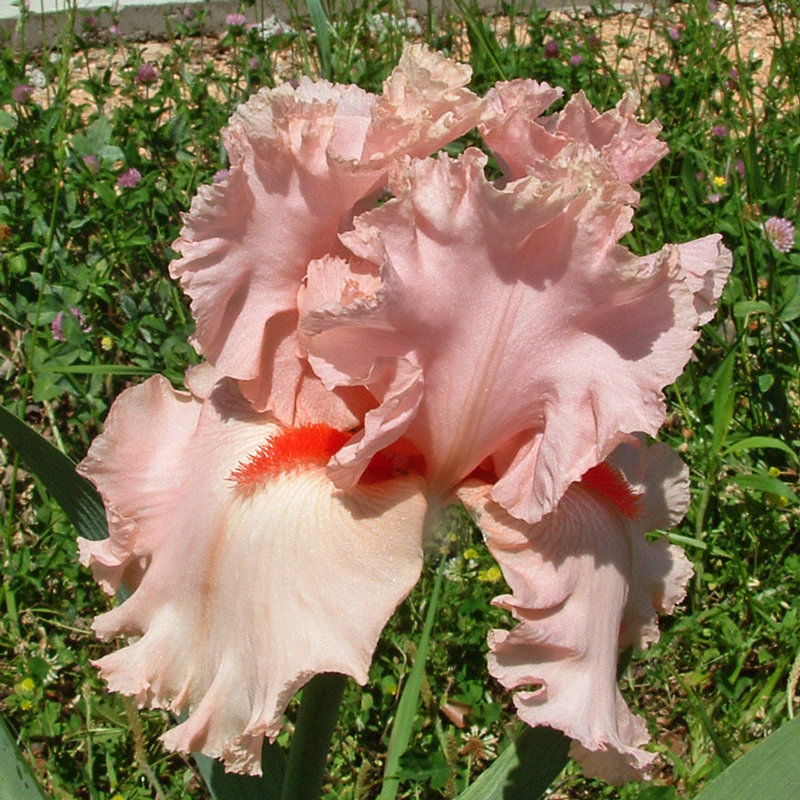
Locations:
(755, 31)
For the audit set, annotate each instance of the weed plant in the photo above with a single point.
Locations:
(104, 143)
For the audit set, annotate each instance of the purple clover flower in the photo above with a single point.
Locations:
(664, 80)
(576, 60)
(719, 131)
(674, 33)
(57, 325)
(91, 162)
(22, 94)
(779, 232)
(551, 49)
(146, 74)
(594, 42)
(129, 179)
(236, 20)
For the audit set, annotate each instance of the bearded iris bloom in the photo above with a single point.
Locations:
(369, 362)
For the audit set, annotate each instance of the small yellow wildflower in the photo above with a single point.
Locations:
(719, 181)
(470, 553)
(24, 691)
(106, 343)
(491, 575)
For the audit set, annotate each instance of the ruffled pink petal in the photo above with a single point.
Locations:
(661, 569)
(520, 330)
(424, 105)
(631, 148)
(523, 139)
(706, 284)
(301, 160)
(570, 576)
(513, 128)
(241, 596)
(585, 583)
(141, 479)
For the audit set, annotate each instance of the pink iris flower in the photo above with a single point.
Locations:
(387, 332)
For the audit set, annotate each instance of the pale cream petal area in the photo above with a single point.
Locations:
(241, 594)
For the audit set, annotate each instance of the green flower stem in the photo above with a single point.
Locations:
(407, 708)
(308, 754)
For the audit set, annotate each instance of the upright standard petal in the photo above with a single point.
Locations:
(523, 140)
(250, 571)
(503, 323)
(584, 579)
(300, 161)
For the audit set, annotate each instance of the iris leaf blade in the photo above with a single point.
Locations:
(16, 779)
(761, 482)
(76, 495)
(770, 771)
(316, 721)
(94, 369)
(760, 442)
(525, 769)
(407, 707)
(724, 400)
(230, 786)
(322, 29)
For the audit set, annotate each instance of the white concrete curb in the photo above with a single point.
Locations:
(135, 19)
(144, 19)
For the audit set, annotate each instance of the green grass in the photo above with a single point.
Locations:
(71, 238)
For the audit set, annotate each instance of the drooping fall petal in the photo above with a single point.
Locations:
(661, 569)
(585, 583)
(301, 160)
(242, 589)
(505, 322)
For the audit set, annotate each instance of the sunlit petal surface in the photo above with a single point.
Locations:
(505, 322)
(301, 160)
(240, 593)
